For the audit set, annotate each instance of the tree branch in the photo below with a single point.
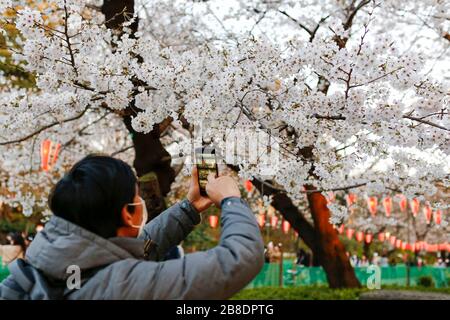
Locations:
(44, 128)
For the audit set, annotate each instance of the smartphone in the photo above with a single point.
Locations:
(205, 159)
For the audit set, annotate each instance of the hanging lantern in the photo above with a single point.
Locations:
(261, 208)
(350, 233)
(398, 243)
(248, 186)
(359, 236)
(286, 226)
(274, 221)
(49, 154)
(403, 203)
(387, 204)
(296, 234)
(341, 229)
(438, 216)
(271, 211)
(369, 237)
(387, 234)
(415, 206)
(372, 203)
(403, 246)
(420, 245)
(381, 237)
(392, 240)
(261, 220)
(351, 199)
(213, 221)
(427, 212)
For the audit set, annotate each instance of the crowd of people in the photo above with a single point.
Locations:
(304, 258)
(384, 260)
(273, 253)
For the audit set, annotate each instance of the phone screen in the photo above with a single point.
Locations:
(205, 158)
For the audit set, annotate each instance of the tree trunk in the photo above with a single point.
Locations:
(152, 161)
(152, 164)
(328, 248)
(322, 238)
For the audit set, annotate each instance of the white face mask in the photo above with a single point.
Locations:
(144, 216)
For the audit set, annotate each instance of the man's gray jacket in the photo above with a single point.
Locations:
(129, 268)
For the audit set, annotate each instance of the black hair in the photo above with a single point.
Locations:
(18, 240)
(93, 193)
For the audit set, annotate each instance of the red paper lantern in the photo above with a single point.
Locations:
(213, 221)
(261, 220)
(359, 236)
(369, 237)
(427, 212)
(392, 240)
(387, 204)
(49, 154)
(398, 243)
(341, 229)
(404, 246)
(381, 237)
(350, 233)
(438, 216)
(415, 206)
(351, 199)
(286, 226)
(403, 203)
(248, 186)
(420, 245)
(372, 203)
(274, 221)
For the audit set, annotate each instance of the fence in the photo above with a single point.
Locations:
(4, 272)
(294, 275)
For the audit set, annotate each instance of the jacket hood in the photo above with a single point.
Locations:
(62, 244)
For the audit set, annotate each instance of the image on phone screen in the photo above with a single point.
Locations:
(205, 158)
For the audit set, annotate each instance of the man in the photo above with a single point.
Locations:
(98, 230)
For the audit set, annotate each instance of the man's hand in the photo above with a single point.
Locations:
(221, 188)
(199, 202)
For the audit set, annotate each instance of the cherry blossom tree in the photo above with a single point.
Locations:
(350, 95)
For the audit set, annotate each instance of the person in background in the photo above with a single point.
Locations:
(276, 255)
(384, 261)
(376, 259)
(354, 261)
(303, 258)
(266, 255)
(363, 262)
(15, 249)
